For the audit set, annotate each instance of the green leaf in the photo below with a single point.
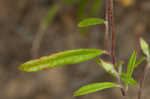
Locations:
(90, 22)
(139, 61)
(144, 47)
(131, 64)
(108, 67)
(126, 80)
(60, 59)
(94, 88)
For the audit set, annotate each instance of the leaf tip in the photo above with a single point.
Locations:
(24, 69)
(75, 94)
(21, 68)
(79, 25)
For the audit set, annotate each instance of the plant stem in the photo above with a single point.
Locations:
(107, 25)
(112, 34)
(141, 82)
(112, 51)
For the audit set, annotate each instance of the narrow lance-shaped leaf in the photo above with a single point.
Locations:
(60, 59)
(146, 50)
(145, 47)
(108, 67)
(131, 64)
(90, 22)
(94, 88)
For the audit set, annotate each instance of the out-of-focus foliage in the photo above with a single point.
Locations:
(52, 12)
(96, 7)
(70, 1)
(93, 6)
(82, 9)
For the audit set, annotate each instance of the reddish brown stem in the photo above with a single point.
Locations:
(112, 51)
(112, 34)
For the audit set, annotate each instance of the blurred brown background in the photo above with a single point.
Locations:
(20, 23)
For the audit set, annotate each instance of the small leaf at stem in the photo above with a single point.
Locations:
(108, 67)
(90, 22)
(60, 59)
(94, 88)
